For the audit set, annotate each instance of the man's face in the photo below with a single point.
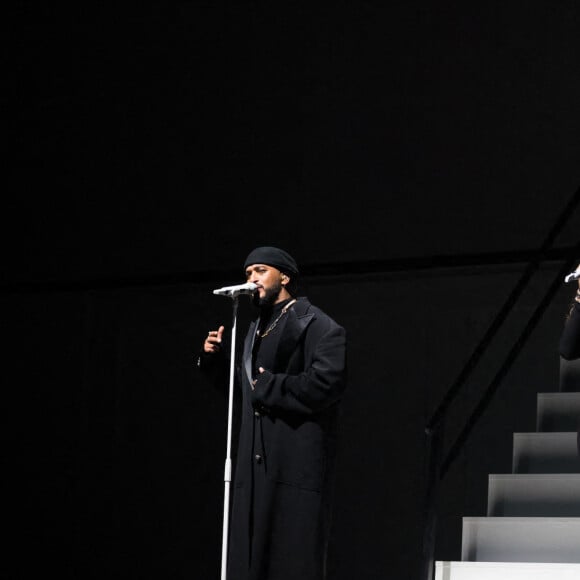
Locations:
(269, 282)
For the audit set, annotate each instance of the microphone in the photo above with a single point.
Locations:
(572, 276)
(234, 291)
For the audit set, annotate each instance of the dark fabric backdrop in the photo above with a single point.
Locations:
(413, 157)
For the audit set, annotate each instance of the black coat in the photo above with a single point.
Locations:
(286, 451)
(570, 344)
(570, 338)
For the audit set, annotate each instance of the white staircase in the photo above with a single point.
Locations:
(532, 527)
(505, 571)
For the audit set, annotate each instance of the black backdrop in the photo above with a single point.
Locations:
(411, 157)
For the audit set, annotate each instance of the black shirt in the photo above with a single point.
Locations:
(270, 328)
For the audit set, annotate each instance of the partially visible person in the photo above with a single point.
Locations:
(570, 337)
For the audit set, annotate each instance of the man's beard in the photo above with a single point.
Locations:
(270, 297)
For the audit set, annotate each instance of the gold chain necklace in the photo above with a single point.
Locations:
(275, 323)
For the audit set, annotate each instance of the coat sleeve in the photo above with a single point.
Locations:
(570, 338)
(213, 368)
(320, 383)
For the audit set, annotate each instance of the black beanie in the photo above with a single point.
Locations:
(272, 257)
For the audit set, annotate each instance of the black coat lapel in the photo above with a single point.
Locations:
(248, 347)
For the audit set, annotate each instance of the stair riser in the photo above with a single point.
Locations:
(546, 453)
(521, 540)
(505, 571)
(534, 495)
(558, 412)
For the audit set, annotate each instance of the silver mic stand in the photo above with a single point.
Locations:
(232, 292)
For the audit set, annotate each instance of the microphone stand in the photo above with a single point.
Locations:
(228, 462)
(232, 292)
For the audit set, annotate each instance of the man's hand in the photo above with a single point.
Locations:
(212, 343)
(261, 370)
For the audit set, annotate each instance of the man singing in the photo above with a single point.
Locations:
(292, 375)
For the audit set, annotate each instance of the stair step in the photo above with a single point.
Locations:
(505, 571)
(558, 412)
(534, 495)
(545, 453)
(520, 539)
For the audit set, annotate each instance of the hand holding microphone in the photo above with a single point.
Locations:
(573, 276)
